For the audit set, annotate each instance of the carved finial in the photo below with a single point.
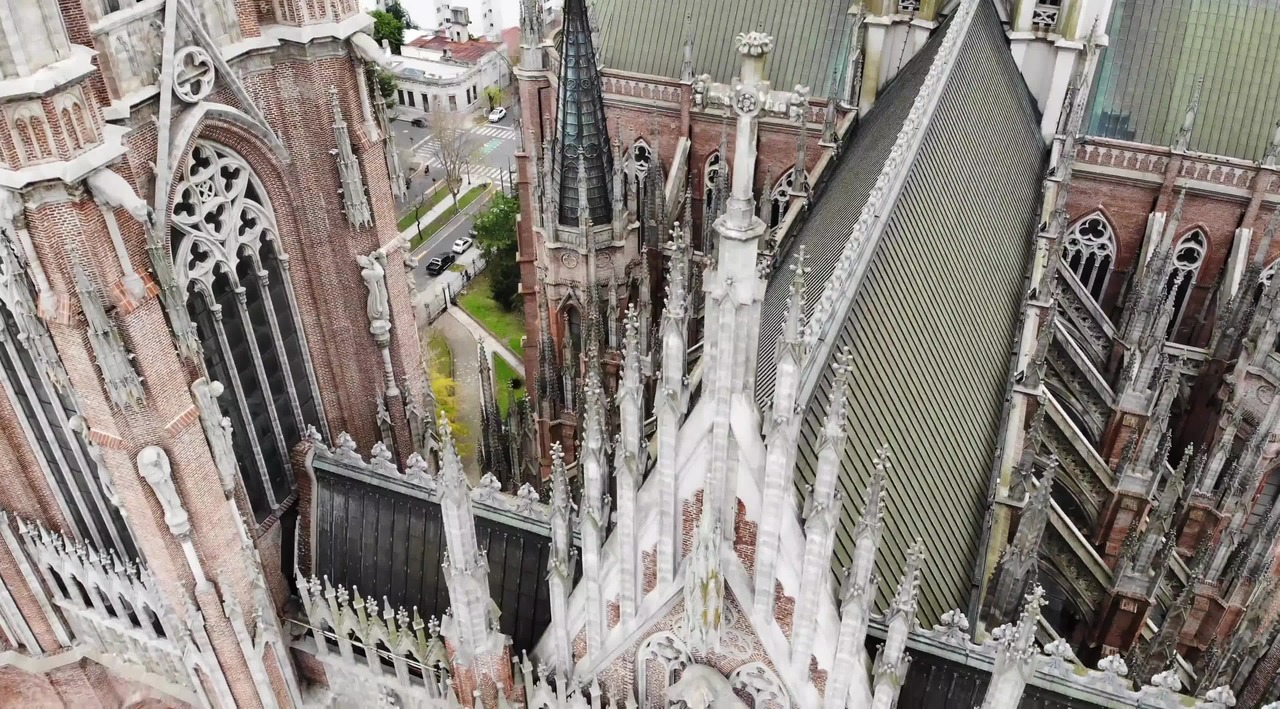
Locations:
(1189, 119)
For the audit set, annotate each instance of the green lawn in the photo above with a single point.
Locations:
(435, 197)
(503, 374)
(440, 357)
(452, 211)
(478, 301)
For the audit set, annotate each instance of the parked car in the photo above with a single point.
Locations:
(419, 122)
(497, 114)
(438, 264)
(462, 244)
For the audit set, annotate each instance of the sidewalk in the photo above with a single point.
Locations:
(412, 230)
(491, 343)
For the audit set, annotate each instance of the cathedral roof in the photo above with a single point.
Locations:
(1157, 50)
(648, 37)
(385, 538)
(930, 325)
(581, 133)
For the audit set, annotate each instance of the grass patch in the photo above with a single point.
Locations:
(437, 196)
(503, 375)
(439, 358)
(447, 216)
(478, 301)
(458, 268)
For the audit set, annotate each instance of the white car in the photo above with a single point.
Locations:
(461, 245)
(497, 114)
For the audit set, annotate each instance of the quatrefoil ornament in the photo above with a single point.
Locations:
(194, 75)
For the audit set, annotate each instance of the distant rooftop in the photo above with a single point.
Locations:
(469, 52)
(1158, 48)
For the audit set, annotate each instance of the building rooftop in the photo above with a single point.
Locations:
(469, 52)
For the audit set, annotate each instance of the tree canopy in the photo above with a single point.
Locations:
(496, 234)
(387, 26)
(397, 11)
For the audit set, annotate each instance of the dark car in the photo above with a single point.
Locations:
(438, 264)
(419, 122)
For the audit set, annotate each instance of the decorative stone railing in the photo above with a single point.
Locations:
(487, 496)
(1044, 16)
(1055, 668)
(115, 615)
(1210, 170)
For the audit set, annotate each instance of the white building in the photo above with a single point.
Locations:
(435, 72)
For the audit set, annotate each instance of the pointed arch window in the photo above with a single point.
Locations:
(641, 159)
(1089, 250)
(1188, 256)
(660, 661)
(228, 258)
(45, 417)
(780, 198)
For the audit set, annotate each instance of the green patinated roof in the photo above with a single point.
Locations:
(931, 325)
(648, 37)
(1158, 48)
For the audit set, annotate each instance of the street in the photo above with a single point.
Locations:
(495, 147)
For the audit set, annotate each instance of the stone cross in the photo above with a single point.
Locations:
(750, 97)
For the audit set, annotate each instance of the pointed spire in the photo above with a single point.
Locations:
(891, 664)
(583, 135)
(1183, 141)
(686, 66)
(704, 587)
(550, 393)
(1016, 657)
(799, 175)
(1271, 158)
(114, 359)
(560, 564)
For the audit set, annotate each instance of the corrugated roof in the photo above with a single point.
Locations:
(648, 37)
(932, 322)
(1158, 48)
(390, 544)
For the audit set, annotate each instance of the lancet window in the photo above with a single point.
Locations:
(641, 159)
(1188, 256)
(45, 414)
(780, 198)
(1090, 251)
(659, 662)
(228, 258)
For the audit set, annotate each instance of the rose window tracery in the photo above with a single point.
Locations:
(1089, 250)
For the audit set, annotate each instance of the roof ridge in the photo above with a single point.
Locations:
(856, 255)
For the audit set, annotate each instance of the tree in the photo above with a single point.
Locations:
(455, 147)
(387, 84)
(386, 27)
(397, 11)
(445, 390)
(496, 233)
(495, 96)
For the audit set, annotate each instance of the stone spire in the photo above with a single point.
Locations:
(1183, 141)
(686, 65)
(583, 136)
(799, 174)
(822, 514)
(1017, 654)
(629, 466)
(704, 587)
(890, 669)
(354, 201)
(848, 678)
(470, 623)
(114, 359)
(782, 434)
(493, 445)
(560, 565)
(670, 406)
(1017, 566)
(593, 512)
(550, 393)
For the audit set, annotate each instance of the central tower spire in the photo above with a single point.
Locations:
(583, 137)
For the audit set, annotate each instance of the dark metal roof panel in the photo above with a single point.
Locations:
(831, 220)
(931, 325)
(386, 543)
(1158, 48)
(648, 37)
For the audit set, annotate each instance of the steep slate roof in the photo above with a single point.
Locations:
(384, 538)
(1159, 47)
(582, 137)
(648, 37)
(931, 323)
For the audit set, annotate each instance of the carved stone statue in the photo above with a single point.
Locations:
(153, 465)
(378, 307)
(702, 687)
(217, 429)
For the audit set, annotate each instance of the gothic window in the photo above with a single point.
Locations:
(1090, 251)
(82, 124)
(758, 686)
(228, 258)
(780, 198)
(69, 129)
(660, 660)
(640, 160)
(25, 139)
(573, 326)
(1188, 255)
(710, 173)
(45, 415)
